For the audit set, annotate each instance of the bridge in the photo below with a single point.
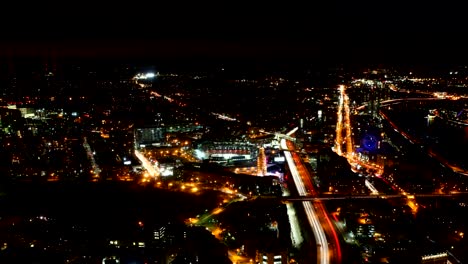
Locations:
(279, 136)
(360, 197)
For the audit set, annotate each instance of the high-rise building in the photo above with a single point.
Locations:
(11, 121)
(149, 136)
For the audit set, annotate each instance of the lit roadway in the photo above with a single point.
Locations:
(152, 170)
(372, 169)
(95, 167)
(322, 227)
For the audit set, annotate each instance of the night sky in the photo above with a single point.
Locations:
(337, 31)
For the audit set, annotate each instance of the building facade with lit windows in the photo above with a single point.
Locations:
(273, 258)
(149, 136)
(438, 258)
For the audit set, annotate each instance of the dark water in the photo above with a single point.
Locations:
(448, 140)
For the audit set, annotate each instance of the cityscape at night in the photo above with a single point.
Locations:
(244, 139)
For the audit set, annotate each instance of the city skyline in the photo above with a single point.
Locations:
(347, 166)
(328, 133)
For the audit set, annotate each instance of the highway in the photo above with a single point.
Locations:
(328, 251)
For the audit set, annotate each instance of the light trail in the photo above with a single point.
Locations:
(152, 170)
(371, 187)
(292, 131)
(95, 167)
(321, 240)
(319, 234)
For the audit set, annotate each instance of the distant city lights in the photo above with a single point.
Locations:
(148, 75)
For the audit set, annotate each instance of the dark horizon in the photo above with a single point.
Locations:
(321, 33)
(260, 50)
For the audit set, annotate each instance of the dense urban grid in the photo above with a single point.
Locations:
(224, 163)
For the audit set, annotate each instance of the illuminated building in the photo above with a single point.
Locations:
(261, 163)
(149, 136)
(225, 151)
(273, 258)
(11, 121)
(159, 233)
(439, 258)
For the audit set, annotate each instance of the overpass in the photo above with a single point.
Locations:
(396, 101)
(359, 197)
(279, 136)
